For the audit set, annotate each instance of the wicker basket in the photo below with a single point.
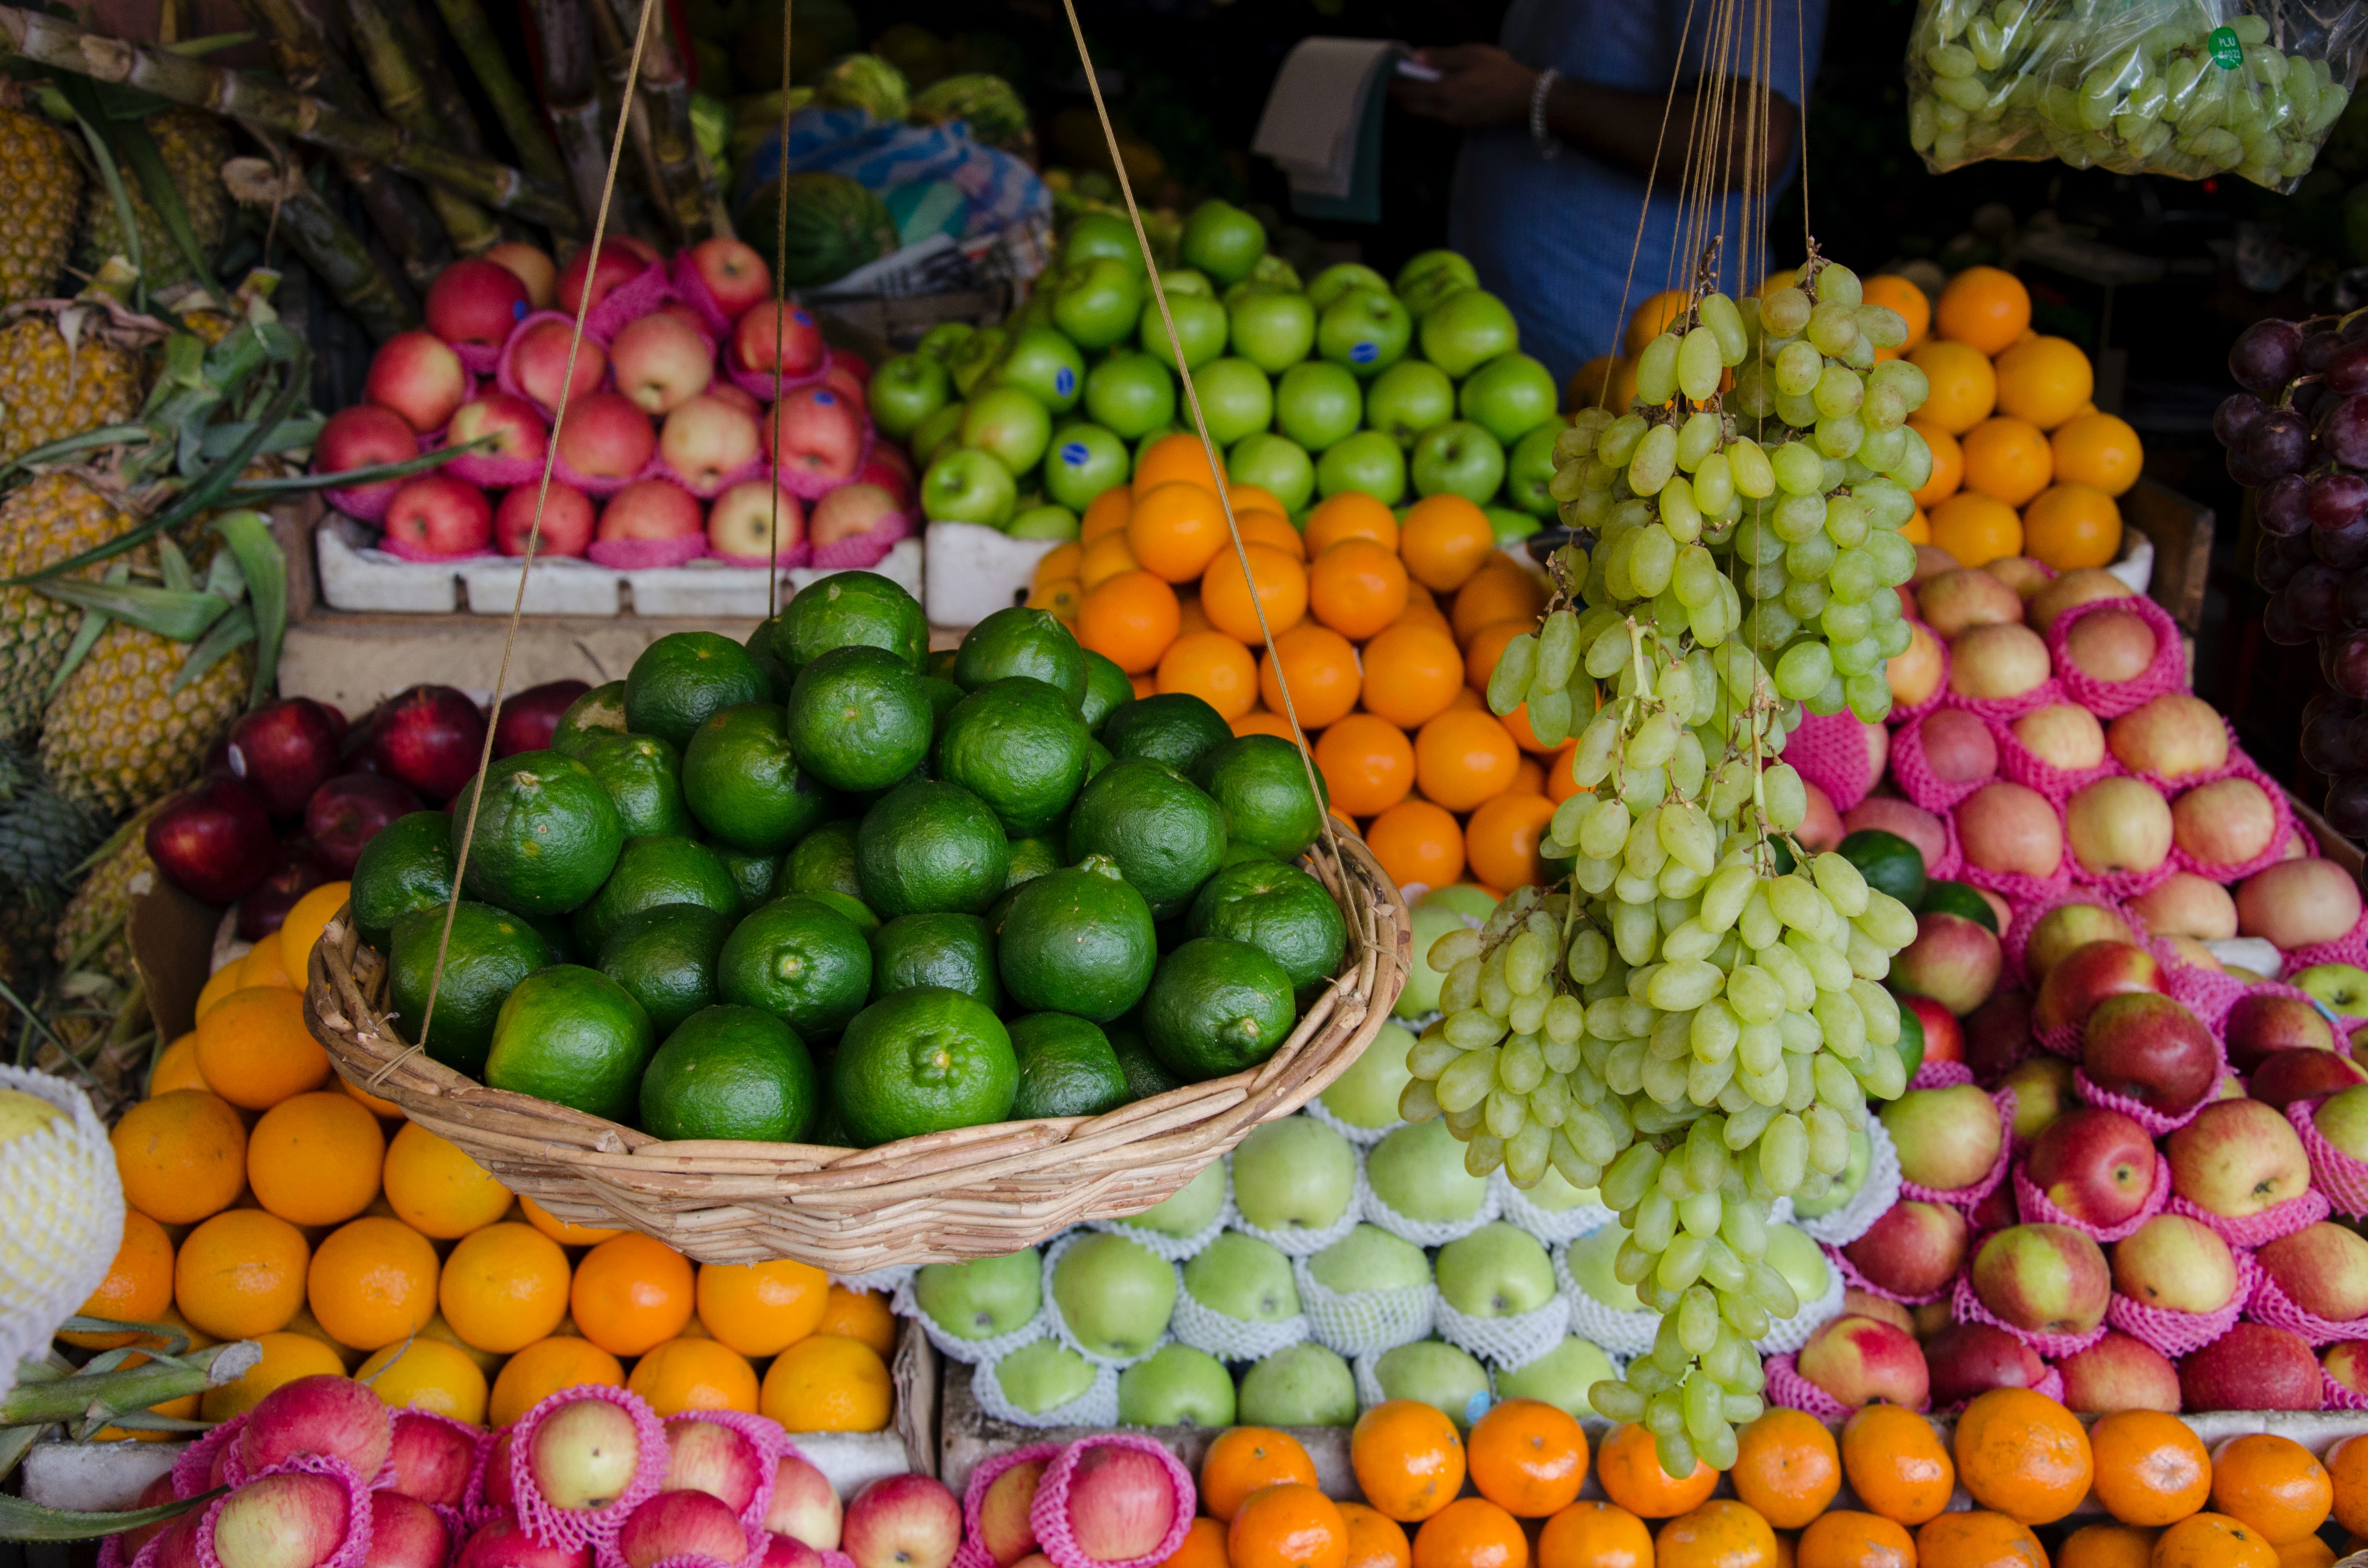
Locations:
(973, 1192)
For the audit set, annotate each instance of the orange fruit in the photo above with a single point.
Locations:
(286, 1358)
(1422, 609)
(181, 1155)
(861, 1315)
(1632, 1476)
(826, 1382)
(1607, 380)
(1896, 1464)
(2045, 381)
(1412, 673)
(1984, 308)
(1484, 647)
(1418, 841)
(1962, 386)
(1918, 529)
(2008, 460)
(1375, 1540)
(240, 1274)
(1786, 1465)
(1213, 667)
(2271, 1484)
(1350, 515)
(373, 1282)
(1357, 587)
(1178, 459)
(218, 984)
(137, 1287)
(263, 970)
(1190, 618)
(504, 1286)
(1948, 463)
(1408, 1460)
(1320, 667)
(1562, 773)
(385, 1110)
(1462, 758)
(1528, 777)
(437, 1189)
(1063, 597)
(306, 919)
(1888, 289)
(762, 1309)
(2212, 1540)
(1289, 1525)
(1470, 1532)
(2346, 1471)
(2108, 1546)
(1260, 526)
(2024, 1455)
(1501, 590)
(1062, 560)
(1280, 590)
(695, 1374)
(426, 1374)
(255, 1049)
(1595, 1535)
(1106, 513)
(1106, 558)
(1444, 539)
(1975, 528)
(2067, 525)
(1844, 1538)
(313, 1159)
(1502, 838)
(176, 1067)
(1529, 1458)
(1204, 1544)
(1368, 764)
(2310, 1551)
(1248, 498)
(567, 1232)
(1245, 1459)
(543, 1368)
(1653, 318)
(1719, 1534)
(2097, 449)
(1175, 529)
(1129, 618)
(631, 1294)
(1259, 721)
(1975, 1538)
(2151, 1468)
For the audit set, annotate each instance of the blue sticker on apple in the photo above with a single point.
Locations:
(1064, 381)
(518, 310)
(1364, 353)
(1074, 453)
(825, 399)
(801, 318)
(1475, 1407)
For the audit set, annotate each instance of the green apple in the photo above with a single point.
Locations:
(1508, 397)
(1096, 234)
(1421, 994)
(984, 1298)
(1175, 1386)
(1458, 458)
(1529, 471)
(1467, 329)
(1409, 398)
(1368, 461)
(1439, 1375)
(1431, 277)
(1340, 278)
(1042, 1375)
(1370, 1259)
(1044, 365)
(1115, 1295)
(1037, 311)
(1244, 1279)
(1179, 281)
(2342, 1120)
(1200, 324)
(1366, 329)
(1418, 1170)
(1082, 461)
(1793, 1255)
(1560, 1378)
(975, 356)
(1044, 522)
(1511, 527)
(1008, 424)
(1271, 271)
(1845, 1185)
(1235, 398)
(1272, 330)
(940, 341)
(1221, 240)
(1317, 403)
(1367, 1094)
(966, 485)
(1498, 1271)
(1463, 898)
(1590, 1265)
(1190, 1209)
(1555, 1194)
(906, 391)
(1274, 463)
(1130, 394)
(1097, 303)
(2341, 986)
(1294, 1175)
(938, 433)
(1303, 1385)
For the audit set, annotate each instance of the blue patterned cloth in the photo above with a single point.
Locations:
(1000, 190)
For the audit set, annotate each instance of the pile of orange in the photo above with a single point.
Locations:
(1384, 629)
(268, 1200)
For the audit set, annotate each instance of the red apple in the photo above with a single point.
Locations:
(417, 375)
(772, 335)
(527, 720)
(441, 515)
(177, 1548)
(1912, 1249)
(213, 840)
(1121, 1503)
(292, 1519)
(1995, 1212)
(662, 362)
(2323, 1269)
(729, 392)
(2263, 1022)
(500, 1543)
(703, 1455)
(2152, 1049)
(1955, 602)
(583, 1455)
(815, 431)
(1967, 1358)
(705, 439)
(2118, 826)
(432, 1461)
(735, 274)
(1997, 1032)
(2066, 927)
(2237, 1158)
(2111, 644)
(1948, 1138)
(2119, 1373)
(2062, 734)
(296, 870)
(2043, 1279)
(531, 266)
(539, 363)
(2174, 736)
(476, 301)
(902, 1521)
(2224, 823)
(849, 511)
(347, 811)
(405, 1533)
(651, 508)
(567, 520)
(2184, 904)
(841, 378)
(607, 436)
(499, 1490)
(1004, 1532)
(2089, 974)
(429, 737)
(2252, 1367)
(2347, 1363)
(805, 1506)
(1821, 826)
(2042, 1093)
(891, 470)
(620, 263)
(2290, 1075)
(855, 365)
(2005, 827)
(2175, 1263)
(742, 520)
(1953, 961)
(788, 1552)
(1866, 1304)
(515, 429)
(1997, 662)
(682, 1523)
(1859, 1360)
(2297, 903)
(284, 751)
(2095, 1165)
(2069, 589)
(365, 436)
(324, 1414)
(1944, 1038)
(155, 1494)
(1910, 821)
(1958, 747)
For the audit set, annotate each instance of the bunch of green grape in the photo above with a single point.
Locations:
(2028, 78)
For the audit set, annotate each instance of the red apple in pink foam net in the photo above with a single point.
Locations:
(804, 1506)
(2119, 1372)
(1910, 821)
(676, 1524)
(432, 1461)
(2252, 1367)
(568, 517)
(815, 431)
(539, 363)
(332, 1416)
(155, 1494)
(902, 1521)
(891, 470)
(2095, 1165)
(1967, 1358)
(620, 264)
(606, 436)
(1859, 1360)
(661, 361)
(651, 509)
(440, 514)
(365, 436)
(532, 266)
(1121, 1503)
(772, 335)
(849, 511)
(500, 1543)
(417, 375)
(705, 437)
(730, 392)
(705, 1456)
(509, 427)
(735, 274)
(476, 301)
(788, 1552)
(178, 1549)
(293, 1519)
(742, 520)
(405, 1533)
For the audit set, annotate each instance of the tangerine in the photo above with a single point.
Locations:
(567, 1232)
(1407, 1459)
(1357, 587)
(240, 1274)
(2212, 1540)
(1062, 560)
(1896, 1464)
(2069, 526)
(1948, 463)
(286, 1358)
(1444, 539)
(2108, 1546)
(1178, 459)
(861, 1315)
(1264, 526)
(1608, 381)
(426, 1374)
(1375, 1540)
(826, 1382)
(631, 1294)
(1844, 1538)
(504, 1286)
(436, 1188)
(1985, 308)
(1562, 773)
(1962, 385)
(1462, 758)
(1245, 1459)
(695, 1374)
(263, 969)
(1106, 558)
(1205, 1545)
(2046, 381)
(542, 1368)
(1630, 1470)
(762, 1309)
(1105, 514)
(1595, 1535)
(1213, 667)
(1895, 292)
(1501, 590)
(1320, 667)
(1259, 721)
(1129, 618)
(1719, 1534)
(218, 984)
(1175, 529)
(2008, 460)
(1061, 596)
(2024, 1455)
(1653, 318)
(372, 1283)
(1277, 585)
(1484, 647)
(176, 1067)
(1352, 513)
(303, 926)
(1470, 1532)
(2310, 1551)
(1289, 1525)
(1975, 1538)
(254, 1049)
(1975, 528)
(2347, 1471)
(1417, 843)
(1412, 672)
(1786, 1466)
(2097, 449)
(313, 1159)
(1527, 1457)
(2271, 1484)
(2151, 1468)
(137, 1287)
(1502, 840)
(1368, 764)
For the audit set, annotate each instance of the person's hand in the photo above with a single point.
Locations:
(1479, 84)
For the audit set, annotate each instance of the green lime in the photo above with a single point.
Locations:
(930, 847)
(757, 877)
(547, 835)
(662, 869)
(643, 778)
(731, 1072)
(1167, 836)
(762, 653)
(599, 711)
(859, 719)
(1887, 861)
(942, 695)
(408, 864)
(1260, 783)
(1242, 854)
(801, 960)
(1957, 898)
(1910, 1044)
(490, 952)
(1030, 858)
(1108, 689)
(1021, 642)
(952, 950)
(939, 664)
(1280, 911)
(573, 1035)
(1017, 745)
(1097, 756)
(825, 858)
(741, 779)
(1078, 940)
(665, 958)
(854, 908)
(1174, 727)
(923, 1061)
(849, 609)
(682, 678)
(1066, 1068)
(1216, 1008)
(1144, 1075)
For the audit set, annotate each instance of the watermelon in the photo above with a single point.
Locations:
(996, 114)
(866, 82)
(834, 226)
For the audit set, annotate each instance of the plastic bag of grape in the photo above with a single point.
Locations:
(2189, 88)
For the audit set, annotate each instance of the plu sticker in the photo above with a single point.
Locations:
(2227, 50)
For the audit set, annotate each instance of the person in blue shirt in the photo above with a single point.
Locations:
(1566, 119)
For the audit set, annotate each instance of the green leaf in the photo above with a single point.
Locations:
(182, 616)
(265, 570)
(83, 95)
(13, 1441)
(139, 150)
(176, 1336)
(288, 436)
(88, 440)
(21, 1520)
(224, 577)
(85, 638)
(232, 631)
(175, 565)
(353, 478)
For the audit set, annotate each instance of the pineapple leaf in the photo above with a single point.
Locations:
(106, 435)
(292, 435)
(147, 164)
(173, 563)
(232, 631)
(85, 637)
(21, 1520)
(261, 562)
(225, 576)
(355, 477)
(83, 96)
(181, 615)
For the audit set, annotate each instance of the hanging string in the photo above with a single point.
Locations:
(780, 312)
(1643, 211)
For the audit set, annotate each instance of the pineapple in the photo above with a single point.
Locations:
(96, 1001)
(118, 734)
(65, 1205)
(56, 516)
(44, 838)
(94, 932)
(40, 184)
(63, 371)
(195, 145)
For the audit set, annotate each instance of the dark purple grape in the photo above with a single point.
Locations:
(2325, 702)
(2353, 603)
(2279, 442)
(2345, 547)
(2283, 505)
(2307, 397)
(2346, 368)
(2266, 355)
(2347, 804)
(2334, 499)
(2279, 625)
(2326, 743)
(2236, 415)
(2318, 345)
(2311, 598)
(2272, 570)
(2342, 431)
(2345, 661)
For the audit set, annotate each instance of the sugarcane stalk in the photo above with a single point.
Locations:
(460, 129)
(521, 122)
(404, 93)
(571, 93)
(62, 46)
(127, 1388)
(682, 184)
(615, 39)
(334, 252)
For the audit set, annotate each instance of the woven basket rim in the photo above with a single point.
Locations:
(968, 1192)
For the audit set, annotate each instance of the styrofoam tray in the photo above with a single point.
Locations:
(980, 571)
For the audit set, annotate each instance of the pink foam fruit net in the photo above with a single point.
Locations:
(1914, 775)
(568, 1528)
(1970, 1198)
(1966, 1307)
(767, 1437)
(1830, 752)
(1858, 1281)
(2284, 1219)
(352, 1552)
(2342, 1179)
(2111, 698)
(1049, 1514)
(2037, 1209)
(2177, 1334)
(973, 1552)
(2271, 1305)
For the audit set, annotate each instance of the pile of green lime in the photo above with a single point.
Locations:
(827, 884)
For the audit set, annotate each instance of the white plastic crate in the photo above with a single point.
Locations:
(976, 571)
